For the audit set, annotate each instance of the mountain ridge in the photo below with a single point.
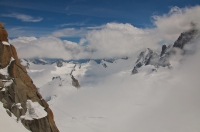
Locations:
(18, 90)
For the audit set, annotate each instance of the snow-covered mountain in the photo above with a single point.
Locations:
(19, 96)
(151, 92)
(148, 57)
(62, 71)
(162, 96)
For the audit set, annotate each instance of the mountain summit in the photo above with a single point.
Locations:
(18, 93)
(148, 57)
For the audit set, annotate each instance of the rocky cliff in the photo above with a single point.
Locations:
(18, 93)
(75, 82)
(148, 57)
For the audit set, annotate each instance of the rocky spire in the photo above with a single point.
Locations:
(186, 37)
(17, 91)
(3, 33)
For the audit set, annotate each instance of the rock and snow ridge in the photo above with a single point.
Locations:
(148, 57)
(19, 95)
(34, 111)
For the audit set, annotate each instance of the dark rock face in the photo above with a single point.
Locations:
(18, 87)
(75, 82)
(147, 57)
(184, 38)
(59, 63)
(164, 47)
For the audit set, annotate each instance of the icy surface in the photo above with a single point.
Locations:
(3, 89)
(5, 43)
(8, 83)
(34, 111)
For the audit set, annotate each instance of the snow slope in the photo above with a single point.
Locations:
(10, 124)
(113, 100)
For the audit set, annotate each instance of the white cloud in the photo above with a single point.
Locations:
(22, 31)
(113, 39)
(170, 25)
(48, 47)
(117, 40)
(23, 17)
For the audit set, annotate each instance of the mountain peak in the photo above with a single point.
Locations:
(186, 37)
(1, 25)
(3, 33)
(18, 89)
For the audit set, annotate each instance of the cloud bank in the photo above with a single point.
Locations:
(170, 25)
(112, 39)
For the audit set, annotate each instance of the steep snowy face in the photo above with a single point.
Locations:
(146, 57)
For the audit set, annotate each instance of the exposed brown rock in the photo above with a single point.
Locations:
(75, 82)
(1, 84)
(21, 90)
(1, 25)
(44, 103)
(3, 33)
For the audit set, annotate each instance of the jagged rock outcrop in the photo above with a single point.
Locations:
(148, 57)
(18, 87)
(185, 37)
(3, 33)
(75, 82)
(164, 47)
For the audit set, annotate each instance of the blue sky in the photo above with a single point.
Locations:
(95, 29)
(42, 17)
